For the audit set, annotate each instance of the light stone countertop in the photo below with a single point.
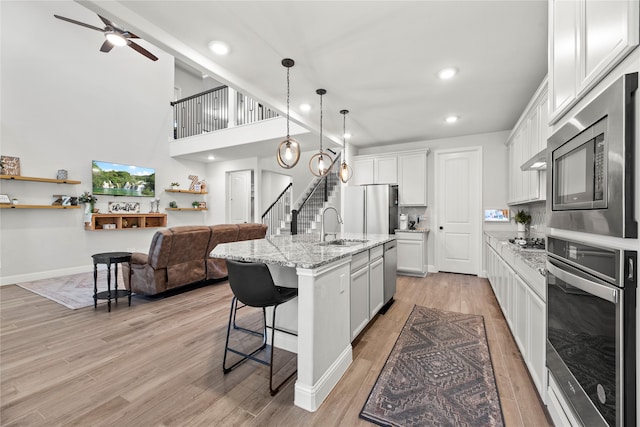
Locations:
(300, 251)
(534, 258)
(417, 230)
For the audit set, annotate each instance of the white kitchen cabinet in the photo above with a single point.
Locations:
(385, 170)
(587, 39)
(362, 171)
(359, 300)
(412, 179)
(527, 139)
(412, 253)
(520, 314)
(376, 286)
(536, 339)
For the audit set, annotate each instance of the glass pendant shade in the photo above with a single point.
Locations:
(289, 149)
(288, 153)
(320, 163)
(345, 172)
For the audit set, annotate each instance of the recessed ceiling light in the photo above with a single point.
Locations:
(447, 73)
(347, 135)
(218, 47)
(211, 157)
(451, 119)
(305, 107)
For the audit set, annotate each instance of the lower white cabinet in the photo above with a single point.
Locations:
(367, 288)
(376, 286)
(412, 253)
(525, 313)
(359, 300)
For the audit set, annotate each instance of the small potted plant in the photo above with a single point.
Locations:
(90, 201)
(195, 204)
(175, 185)
(522, 218)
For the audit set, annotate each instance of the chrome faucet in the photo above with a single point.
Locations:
(323, 235)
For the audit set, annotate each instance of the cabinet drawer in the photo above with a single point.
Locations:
(376, 252)
(408, 236)
(359, 260)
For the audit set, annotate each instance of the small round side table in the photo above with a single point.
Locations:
(109, 258)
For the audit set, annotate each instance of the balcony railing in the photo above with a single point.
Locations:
(216, 109)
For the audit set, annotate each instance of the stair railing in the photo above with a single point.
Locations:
(303, 217)
(277, 215)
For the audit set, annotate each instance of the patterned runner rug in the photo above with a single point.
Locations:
(439, 373)
(73, 291)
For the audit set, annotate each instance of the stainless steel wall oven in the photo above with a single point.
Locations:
(591, 298)
(591, 158)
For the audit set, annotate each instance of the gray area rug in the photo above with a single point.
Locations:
(439, 373)
(73, 291)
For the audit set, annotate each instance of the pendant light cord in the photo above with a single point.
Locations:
(344, 137)
(288, 136)
(321, 123)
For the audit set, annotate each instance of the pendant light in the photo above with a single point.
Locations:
(320, 163)
(289, 149)
(345, 172)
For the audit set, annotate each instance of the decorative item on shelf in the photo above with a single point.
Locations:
(522, 218)
(320, 163)
(62, 174)
(194, 182)
(157, 206)
(202, 205)
(203, 186)
(4, 199)
(89, 200)
(15, 201)
(197, 188)
(289, 149)
(175, 185)
(173, 204)
(124, 207)
(10, 165)
(195, 204)
(345, 172)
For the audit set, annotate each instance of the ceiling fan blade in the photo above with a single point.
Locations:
(107, 22)
(106, 46)
(73, 21)
(130, 35)
(142, 50)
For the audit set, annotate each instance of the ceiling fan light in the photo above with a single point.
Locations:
(116, 39)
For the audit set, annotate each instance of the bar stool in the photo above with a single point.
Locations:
(109, 258)
(252, 285)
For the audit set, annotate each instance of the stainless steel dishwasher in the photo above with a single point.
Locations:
(390, 267)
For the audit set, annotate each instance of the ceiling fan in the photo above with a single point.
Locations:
(114, 35)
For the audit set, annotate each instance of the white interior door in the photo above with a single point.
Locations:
(239, 199)
(458, 186)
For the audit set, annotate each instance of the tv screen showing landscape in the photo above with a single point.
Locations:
(114, 179)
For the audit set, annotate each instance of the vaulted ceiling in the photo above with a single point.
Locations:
(378, 59)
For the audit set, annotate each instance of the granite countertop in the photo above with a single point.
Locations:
(417, 230)
(534, 258)
(301, 251)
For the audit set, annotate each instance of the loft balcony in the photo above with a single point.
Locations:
(227, 124)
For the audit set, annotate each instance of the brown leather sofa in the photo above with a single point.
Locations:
(179, 256)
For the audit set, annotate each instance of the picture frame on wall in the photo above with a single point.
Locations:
(496, 215)
(202, 205)
(124, 207)
(10, 165)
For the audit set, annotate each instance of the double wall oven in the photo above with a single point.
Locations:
(591, 284)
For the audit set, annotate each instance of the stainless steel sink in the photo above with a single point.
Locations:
(342, 242)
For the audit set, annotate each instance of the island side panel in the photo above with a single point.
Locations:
(287, 314)
(324, 345)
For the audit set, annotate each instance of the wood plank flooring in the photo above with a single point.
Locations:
(158, 362)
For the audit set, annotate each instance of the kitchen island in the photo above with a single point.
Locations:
(321, 315)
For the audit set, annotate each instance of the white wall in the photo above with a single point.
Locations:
(64, 103)
(494, 175)
(191, 82)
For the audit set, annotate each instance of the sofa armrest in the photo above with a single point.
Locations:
(139, 258)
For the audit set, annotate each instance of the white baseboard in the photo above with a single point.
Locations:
(432, 269)
(30, 277)
(310, 397)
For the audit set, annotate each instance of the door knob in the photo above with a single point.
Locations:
(441, 228)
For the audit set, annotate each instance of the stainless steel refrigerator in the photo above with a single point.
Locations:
(371, 209)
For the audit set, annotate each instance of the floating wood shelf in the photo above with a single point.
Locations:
(186, 209)
(171, 190)
(126, 221)
(38, 207)
(29, 178)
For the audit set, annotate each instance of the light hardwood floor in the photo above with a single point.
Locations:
(158, 362)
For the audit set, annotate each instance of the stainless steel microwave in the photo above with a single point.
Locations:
(591, 158)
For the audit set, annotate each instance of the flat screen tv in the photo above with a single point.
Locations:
(114, 179)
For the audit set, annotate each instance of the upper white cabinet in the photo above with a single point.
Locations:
(407, 169)
(412, 179)
(385, 170)
(528, 138)
(587, 39)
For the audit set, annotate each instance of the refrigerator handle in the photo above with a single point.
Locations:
(364, 205)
